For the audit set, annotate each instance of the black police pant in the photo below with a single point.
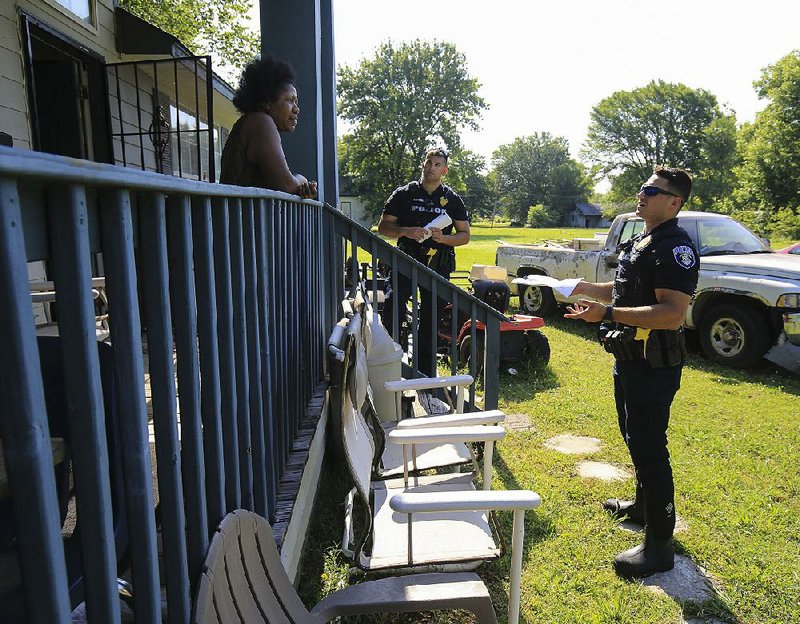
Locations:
(426, 334)
(643, 396)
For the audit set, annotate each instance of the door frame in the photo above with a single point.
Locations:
(98, 118)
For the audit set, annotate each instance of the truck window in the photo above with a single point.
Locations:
(726, 236)
(630, 229)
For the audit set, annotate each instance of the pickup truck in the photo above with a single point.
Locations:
(747, 297)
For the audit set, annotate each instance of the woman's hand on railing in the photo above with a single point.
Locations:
(308, 190)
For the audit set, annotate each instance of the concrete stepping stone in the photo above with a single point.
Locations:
(603, 471)
(686, 582)
(518, 422)
(574, 445)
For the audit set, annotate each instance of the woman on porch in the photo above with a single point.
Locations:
(253, 154)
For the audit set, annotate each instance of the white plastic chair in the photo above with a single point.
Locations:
(436, 523)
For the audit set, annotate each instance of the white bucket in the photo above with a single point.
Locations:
(384, 363)
(387, 368)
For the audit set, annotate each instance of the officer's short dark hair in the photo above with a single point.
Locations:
(438, 151)
(679, 181)
(262, 80)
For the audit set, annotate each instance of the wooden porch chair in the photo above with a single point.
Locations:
(244, 581)
(442, 522)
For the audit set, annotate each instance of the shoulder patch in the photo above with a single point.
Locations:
(684, 255)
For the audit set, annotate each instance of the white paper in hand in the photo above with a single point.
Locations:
(563, 287)
(441, 222)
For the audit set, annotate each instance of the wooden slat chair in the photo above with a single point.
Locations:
(244, 581)
(445, 525)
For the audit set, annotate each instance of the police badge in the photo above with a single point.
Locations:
(684, 255)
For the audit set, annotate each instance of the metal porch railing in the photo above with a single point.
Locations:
(367, 250)
(241, 287)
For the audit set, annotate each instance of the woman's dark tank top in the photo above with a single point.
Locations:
(235, 168)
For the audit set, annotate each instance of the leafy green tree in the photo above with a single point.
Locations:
(467, 176)
(537, 169)
(405, 99)
(217, 27)
(663, 124)
(769, 176)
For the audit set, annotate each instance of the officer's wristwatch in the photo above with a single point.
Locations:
(607, 317)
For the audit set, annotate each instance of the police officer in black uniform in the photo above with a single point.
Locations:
(642, 327)
(405, 215)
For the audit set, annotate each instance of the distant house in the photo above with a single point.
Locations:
(352, 204)
(586, 216)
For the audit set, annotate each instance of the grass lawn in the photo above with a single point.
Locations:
(735, 444)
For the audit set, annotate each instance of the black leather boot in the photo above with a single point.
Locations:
(629, 510)
(645, 559)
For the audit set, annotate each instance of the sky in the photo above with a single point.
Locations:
(543, 65)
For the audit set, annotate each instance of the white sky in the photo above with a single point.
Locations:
(543, 65)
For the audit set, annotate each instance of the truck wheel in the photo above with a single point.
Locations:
(537, 300)
(735, 335)
(465, 351)
(538, 348)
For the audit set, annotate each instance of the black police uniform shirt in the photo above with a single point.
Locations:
(415, 207)
(663, 258)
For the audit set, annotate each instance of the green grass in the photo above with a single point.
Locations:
(735, 444)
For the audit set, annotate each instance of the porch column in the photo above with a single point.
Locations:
(301, 32)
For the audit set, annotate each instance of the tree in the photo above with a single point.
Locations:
(468, 177)
(206, 26)
(768, 177)
(405, 99)
(538, 170)
(661, 123)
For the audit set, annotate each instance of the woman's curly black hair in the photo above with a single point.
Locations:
(262, 80)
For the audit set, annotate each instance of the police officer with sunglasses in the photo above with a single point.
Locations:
(641, 315)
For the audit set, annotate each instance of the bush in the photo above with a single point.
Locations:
(782, 223)
(540, 216)
(785, 223)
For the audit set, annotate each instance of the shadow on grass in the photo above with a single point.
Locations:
(325, 530)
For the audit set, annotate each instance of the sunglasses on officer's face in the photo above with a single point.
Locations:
(650, 190)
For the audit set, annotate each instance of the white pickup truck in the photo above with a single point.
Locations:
(747, 298)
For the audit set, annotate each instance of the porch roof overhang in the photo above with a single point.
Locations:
(137, 36)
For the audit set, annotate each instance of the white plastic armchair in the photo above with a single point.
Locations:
(518, 501)
(409, 438)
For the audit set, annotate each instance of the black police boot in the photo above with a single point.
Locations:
(620, 509)
(645, 559)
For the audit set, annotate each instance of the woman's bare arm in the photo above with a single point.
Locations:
(264, 149)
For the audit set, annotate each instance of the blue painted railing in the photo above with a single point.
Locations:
(242, 287)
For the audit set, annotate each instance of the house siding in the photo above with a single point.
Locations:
(13, 102)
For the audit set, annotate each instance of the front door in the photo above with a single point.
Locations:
(64, 84)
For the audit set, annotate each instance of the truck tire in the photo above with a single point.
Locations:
(735, 335)
(537, 300)
(538, 348)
